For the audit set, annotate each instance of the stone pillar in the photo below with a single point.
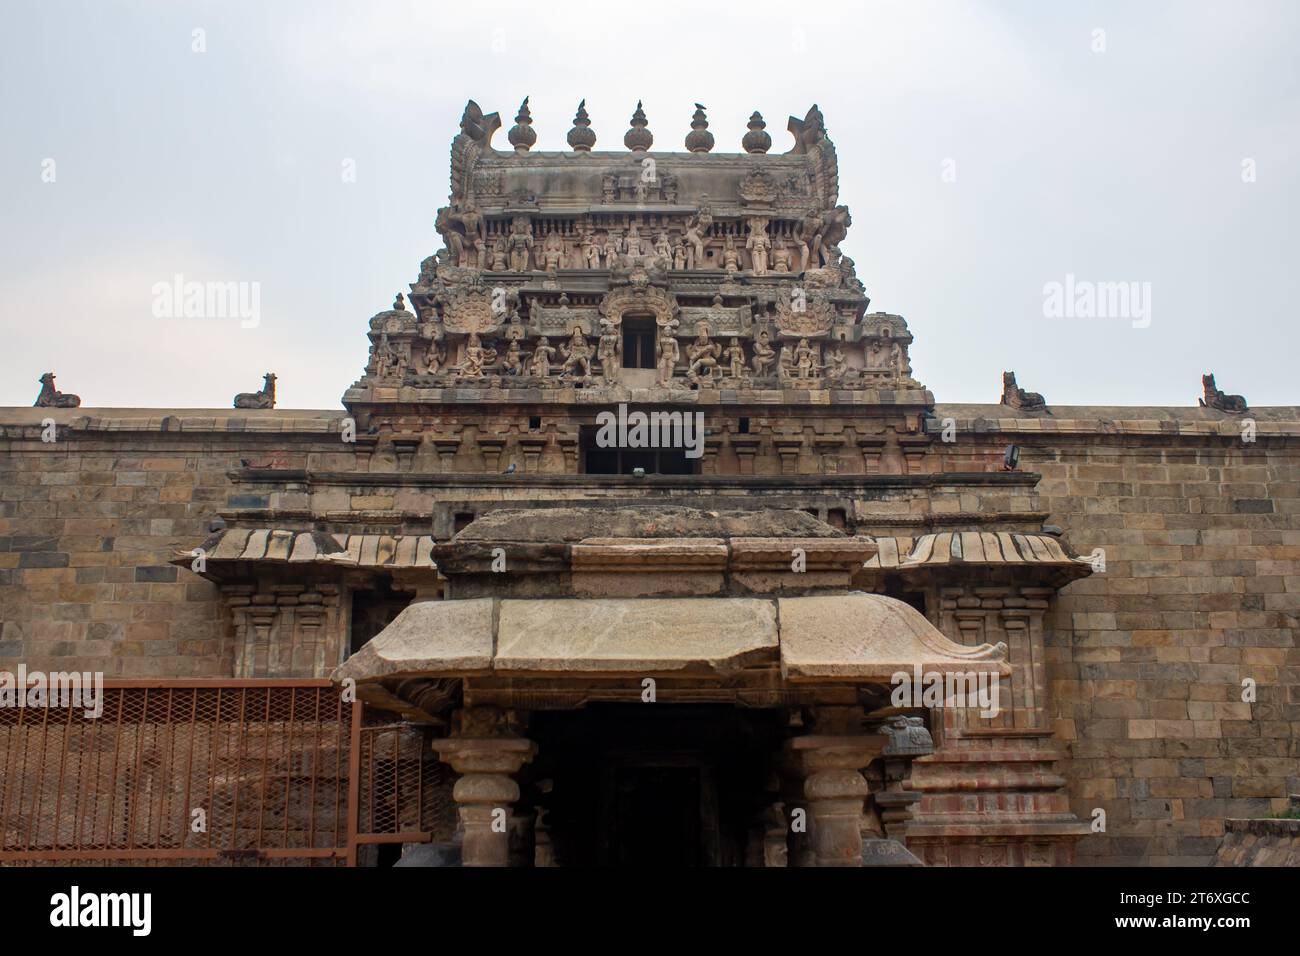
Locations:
(830, 763)
(486, 754)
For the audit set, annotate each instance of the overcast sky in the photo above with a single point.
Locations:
(986, 150)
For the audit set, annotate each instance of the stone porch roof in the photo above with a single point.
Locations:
(853, 636)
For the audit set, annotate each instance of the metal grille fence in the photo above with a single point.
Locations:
(211, 773)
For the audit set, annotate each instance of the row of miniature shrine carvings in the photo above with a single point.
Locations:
(703, 362)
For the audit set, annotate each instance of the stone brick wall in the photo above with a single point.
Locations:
(1145, 661)
(1201, 534)
(88, 525)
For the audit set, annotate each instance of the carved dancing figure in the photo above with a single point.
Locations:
(577, 354)
(805, 360)
(694, 238)
(702, 356)
(837, 365)
(477, 358)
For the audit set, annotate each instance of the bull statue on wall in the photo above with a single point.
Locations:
(263, 399)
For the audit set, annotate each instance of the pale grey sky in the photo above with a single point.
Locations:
(1115, 165)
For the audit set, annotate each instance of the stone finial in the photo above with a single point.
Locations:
(522, 136)
(581, 138)
(699, 139)
(638, 138)
(757, 140)
(50, 397)
(399, 303)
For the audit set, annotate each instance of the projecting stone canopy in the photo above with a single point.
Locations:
(853, 637)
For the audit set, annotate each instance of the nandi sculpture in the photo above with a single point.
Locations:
(1016, 397)
(263, 399)
(1217, 399)
(50, 397)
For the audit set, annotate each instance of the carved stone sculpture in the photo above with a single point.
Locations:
(780, 256)
(552, 251)
(764, 355)
(608, 350)
(702, 357)
(540, 363)
(477, 358)
(49, 397)
(263, 399)
(735, 356)
(577, 354)
(758, 245)
(520, 243)
(668, 352)
(1220, 400)
(1016, 397)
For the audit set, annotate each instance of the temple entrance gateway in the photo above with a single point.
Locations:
(655, 784)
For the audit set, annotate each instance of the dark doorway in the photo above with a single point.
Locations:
(655, 785)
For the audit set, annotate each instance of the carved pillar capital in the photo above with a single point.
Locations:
(835, 790)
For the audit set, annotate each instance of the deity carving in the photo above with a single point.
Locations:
(462, 229)
(837, 364)
(520, 243)
(610, 251)
(702, 356)
(513, 362)
(608, 188)
(668, 353)
(540, 363)
(477, 358)
(806, 362)
(810, 237)
(735, 356)
(577, 354)
(608, 350)
(389, 359)
(780, 256)
(764, 354)
(679, 253)
(434, 356)
(500, 260)
(632, 244)
(552, 252)
(730, 258)
(591, 250)
(696, 229)
(758, 245)
(664, 247)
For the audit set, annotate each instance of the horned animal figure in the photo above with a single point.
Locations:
(1217, 399)
(1016, 397)
(50, 397)
(263, 399)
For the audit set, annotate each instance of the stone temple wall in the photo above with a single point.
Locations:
(1146, 661)
(1201, 589)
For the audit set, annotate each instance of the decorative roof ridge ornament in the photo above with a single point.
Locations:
(522, 136)
(638, 138)
(757, 140)
(699, 139)
(581, 138)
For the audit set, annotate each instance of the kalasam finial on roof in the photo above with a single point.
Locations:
(522, 136)
(757, 140)
(699, 139)
(581, 138)
(638, 138)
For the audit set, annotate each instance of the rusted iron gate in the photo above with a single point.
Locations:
(210, 772)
